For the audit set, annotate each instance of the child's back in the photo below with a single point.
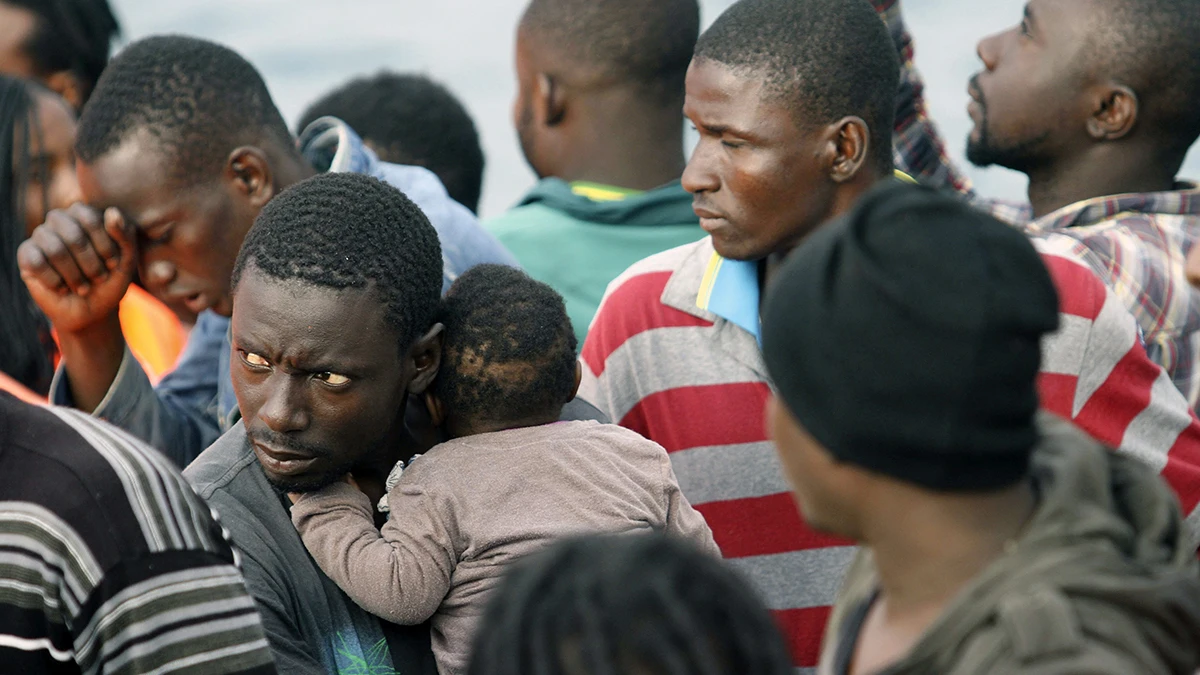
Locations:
(509, 483)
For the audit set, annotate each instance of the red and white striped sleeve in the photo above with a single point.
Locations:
(1095, 372)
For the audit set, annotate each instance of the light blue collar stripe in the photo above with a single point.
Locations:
(735, 294)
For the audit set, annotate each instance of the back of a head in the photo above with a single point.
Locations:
(342, 230)
(410, 119)
(645, 604)
(906, 337)
(643, 44)
(1153, 47)
(198, 100)
(71, 35)
(822, 59)
(509, 349)
(24, 332)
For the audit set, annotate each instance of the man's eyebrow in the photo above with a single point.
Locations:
(1029, 15)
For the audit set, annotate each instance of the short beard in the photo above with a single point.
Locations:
(985, 152)
(308, 483)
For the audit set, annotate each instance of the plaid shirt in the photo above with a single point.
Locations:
(1136, 243)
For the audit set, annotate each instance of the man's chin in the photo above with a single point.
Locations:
(302, 484)
(979, 154)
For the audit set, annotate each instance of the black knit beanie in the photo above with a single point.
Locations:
(905, 337)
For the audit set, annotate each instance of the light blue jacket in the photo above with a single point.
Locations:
(195, 404)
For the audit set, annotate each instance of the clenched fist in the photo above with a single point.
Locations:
(78, 265)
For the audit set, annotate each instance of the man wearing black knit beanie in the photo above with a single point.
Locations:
(904, 343)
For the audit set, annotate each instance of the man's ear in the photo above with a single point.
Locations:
(578, 380)
(847, 143)
(67, 85)
(426, 357)
(437, 409)
(550, 99)
(249, 172)
(1114, 113)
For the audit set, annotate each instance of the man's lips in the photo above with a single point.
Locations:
(709, 220)
(282, 462)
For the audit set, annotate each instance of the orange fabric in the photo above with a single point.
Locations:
(152, 331)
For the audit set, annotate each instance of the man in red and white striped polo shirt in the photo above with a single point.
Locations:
(673, 352)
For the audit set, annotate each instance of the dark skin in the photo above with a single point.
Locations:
(321, 383)
(761, 181)
(577, 126)
(181, 240)
(928, 546)
(1045, 105)
(17, 25)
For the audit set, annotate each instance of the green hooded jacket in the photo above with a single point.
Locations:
(578, 237)
(1103, 581)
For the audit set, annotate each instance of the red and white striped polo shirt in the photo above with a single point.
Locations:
(661, 358)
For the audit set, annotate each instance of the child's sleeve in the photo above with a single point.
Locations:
(401, 574)
(682, 519)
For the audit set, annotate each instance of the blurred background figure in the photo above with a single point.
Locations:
(63, 44)
(642, 604)
(408, 118)
(26, 348)
(597, 112)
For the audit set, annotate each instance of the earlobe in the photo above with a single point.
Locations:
(849, 143)
(1115, 114)
(578, 380)
(437, 412)
(551, 100)
(426, 355)
(250, 172)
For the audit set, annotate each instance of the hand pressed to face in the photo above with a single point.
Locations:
(321, 380)
(188, 235)
(78, 265)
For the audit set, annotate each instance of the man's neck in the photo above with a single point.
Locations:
(291, 168)
(608, 149)
(927, 551)
(1102, 172)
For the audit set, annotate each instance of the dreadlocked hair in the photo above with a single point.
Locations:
(608, 605)
(26, 347)
(509, 349)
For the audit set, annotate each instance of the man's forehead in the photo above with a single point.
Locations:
(298, 308)
(133, 176)
(714, 81)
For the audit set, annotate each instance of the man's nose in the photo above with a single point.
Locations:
(699, 175)
(284, 410)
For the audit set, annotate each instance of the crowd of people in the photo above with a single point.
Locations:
(802, 401)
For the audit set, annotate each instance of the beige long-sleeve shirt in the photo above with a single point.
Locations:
(469, 507)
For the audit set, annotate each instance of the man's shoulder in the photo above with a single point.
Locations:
(1080, 292)
(644, 281)
(655, 293)
(223, 467)
(681, 258)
